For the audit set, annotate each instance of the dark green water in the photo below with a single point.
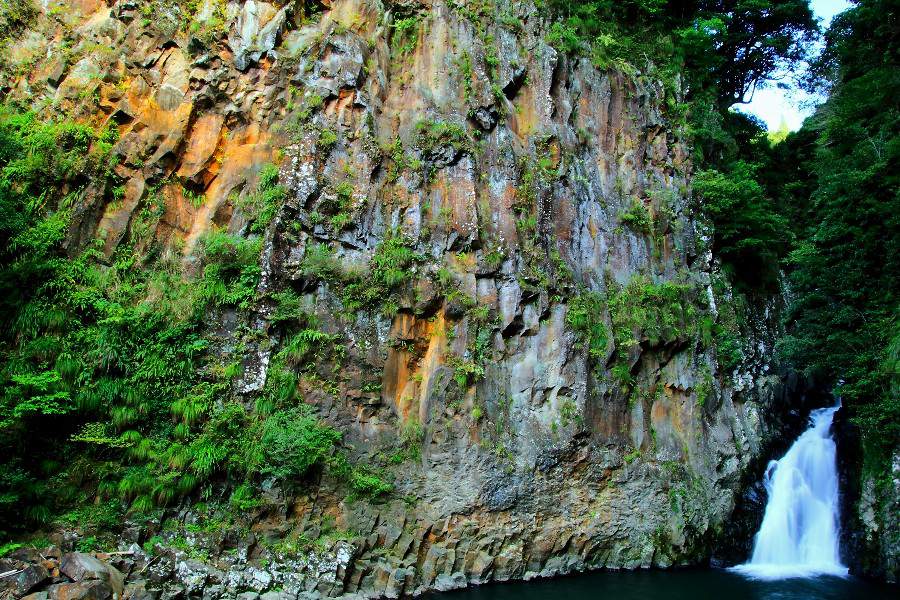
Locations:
(697, 584)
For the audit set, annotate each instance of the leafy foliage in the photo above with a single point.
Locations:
(261, 205)
(292, 441)
(844, 271)
(15, 16)
(389, 270)
(231, 270)
(728, 47)
(585, 317)
(106, 362)
(662, 313)
(749, 234)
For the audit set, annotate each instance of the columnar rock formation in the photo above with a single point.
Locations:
(519, 182)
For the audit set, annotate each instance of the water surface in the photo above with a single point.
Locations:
(698, 584)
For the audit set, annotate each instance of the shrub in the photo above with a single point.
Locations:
(293, 441)
(16, 16)
(662, 312)
(319, 263)
(261, 205)
(405, 35)
(637, 218)
(389, 270)
(366, 482)
(749, 235)
(231, 269)
(585, 316)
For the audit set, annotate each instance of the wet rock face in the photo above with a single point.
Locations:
(517, 179)
(870, 535)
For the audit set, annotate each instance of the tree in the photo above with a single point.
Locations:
(729, 46)
(752, 40)
(844, 317)
(749, 235)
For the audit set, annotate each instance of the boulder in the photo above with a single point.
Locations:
(82, 590)
(137, 590)
(31, 578)
(79, 566)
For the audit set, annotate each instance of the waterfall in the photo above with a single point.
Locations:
(799, 532)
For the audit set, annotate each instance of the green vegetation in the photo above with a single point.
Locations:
(638, 218)
(465, 372)
(585, 317)
(231, 270)
(405, 34)
(292, 441)
(663, 313)
(261, 204)
(398, 160)
(390, 269)
(724, 48)
(750, 237)
(432, 135)
(210, 29)
(15, 17)
(841, 188)
(110, 387)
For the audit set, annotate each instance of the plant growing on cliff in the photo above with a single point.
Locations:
(114, 344)
(320, 264)
(750, 236)
(661, 312)
(390, 268)
(15, 17)
(637, 218)
(291, 442)
(432, 135)
(584, 315)
(465, 372)
(230, 269)
(260, 205)
(405, 35)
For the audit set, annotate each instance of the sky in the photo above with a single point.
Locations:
(775, 105)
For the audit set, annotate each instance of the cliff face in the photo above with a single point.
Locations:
(461, 200)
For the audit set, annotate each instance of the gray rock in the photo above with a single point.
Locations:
(82, 590)
(255, 32)
(454, 581)
(213, 592)
(32, 577)
(137, 590)
(173, 592)
(79, 566)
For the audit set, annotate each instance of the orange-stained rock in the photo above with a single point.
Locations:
(203, 142)
(243, 153)
(419, 350)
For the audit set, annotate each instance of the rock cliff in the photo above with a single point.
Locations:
(500, 241)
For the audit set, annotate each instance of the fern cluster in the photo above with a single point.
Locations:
(111, 361)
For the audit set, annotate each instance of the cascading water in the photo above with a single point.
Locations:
(799, 532)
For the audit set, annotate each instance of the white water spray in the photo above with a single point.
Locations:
(799, 532)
